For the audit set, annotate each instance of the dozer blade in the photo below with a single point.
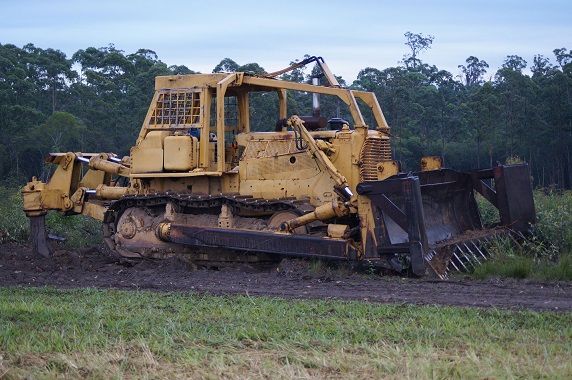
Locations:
(437, 212)
(39, 236)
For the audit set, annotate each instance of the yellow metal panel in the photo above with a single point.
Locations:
(292, 167)
(371, 101)
(147, 157)
(188, 81)
(342, 158)
(94, 210)
(387, 169)
(198, 173)
(154, 139)
(204, 150)
(180, 153)
(146, 160)
(93, 178)
(429, 163)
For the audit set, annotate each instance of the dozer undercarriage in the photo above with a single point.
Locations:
(200, 183)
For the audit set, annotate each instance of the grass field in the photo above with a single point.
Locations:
(47, 333)
(546, 254)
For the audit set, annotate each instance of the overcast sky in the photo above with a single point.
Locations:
(350, 35)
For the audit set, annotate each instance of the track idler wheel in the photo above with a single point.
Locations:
(276, 220)
(39, 236)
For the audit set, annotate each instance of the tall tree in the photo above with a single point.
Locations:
(563, 56)
(97, 100)
(417, 43)
(51, 69)
(474, 70)
(514, 63)
(540, 66)
(227, 65)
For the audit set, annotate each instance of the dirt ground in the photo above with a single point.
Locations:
(92, 267)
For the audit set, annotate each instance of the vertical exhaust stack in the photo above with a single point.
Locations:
(315, 99)
(315, 121)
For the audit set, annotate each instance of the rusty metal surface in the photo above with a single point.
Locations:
(467, 251)
(514, 196)
(429, 163)
(313, 123)
(448, 205)
(407, 214)
(38, 235)
(199, 208)
(374, 151)
(449, 217)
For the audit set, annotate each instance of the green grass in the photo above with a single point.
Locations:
(489, 213)
(532, 259)
(554, 220)
(13, 223)
(522, 267)
(519, 266)
(506, 266)
(546, 255)
(47, 333)
(554, 212)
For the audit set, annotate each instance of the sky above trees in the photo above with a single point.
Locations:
(351, 35)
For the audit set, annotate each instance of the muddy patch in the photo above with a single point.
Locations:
(94, 267)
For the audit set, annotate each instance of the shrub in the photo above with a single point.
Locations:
(489, 213)
(13, 223)
(554, 225)
(547, 251)
(505, 266)
(78, 230)
(561, 271)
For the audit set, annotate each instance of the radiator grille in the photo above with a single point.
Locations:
(374, 151)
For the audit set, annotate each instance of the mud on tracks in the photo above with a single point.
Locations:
(93, 267)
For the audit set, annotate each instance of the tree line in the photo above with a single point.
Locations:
(95, 101)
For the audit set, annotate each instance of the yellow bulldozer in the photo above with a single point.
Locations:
(199, 182)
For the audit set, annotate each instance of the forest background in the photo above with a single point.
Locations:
(96, 100)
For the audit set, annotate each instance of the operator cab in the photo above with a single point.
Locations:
(201, 123)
